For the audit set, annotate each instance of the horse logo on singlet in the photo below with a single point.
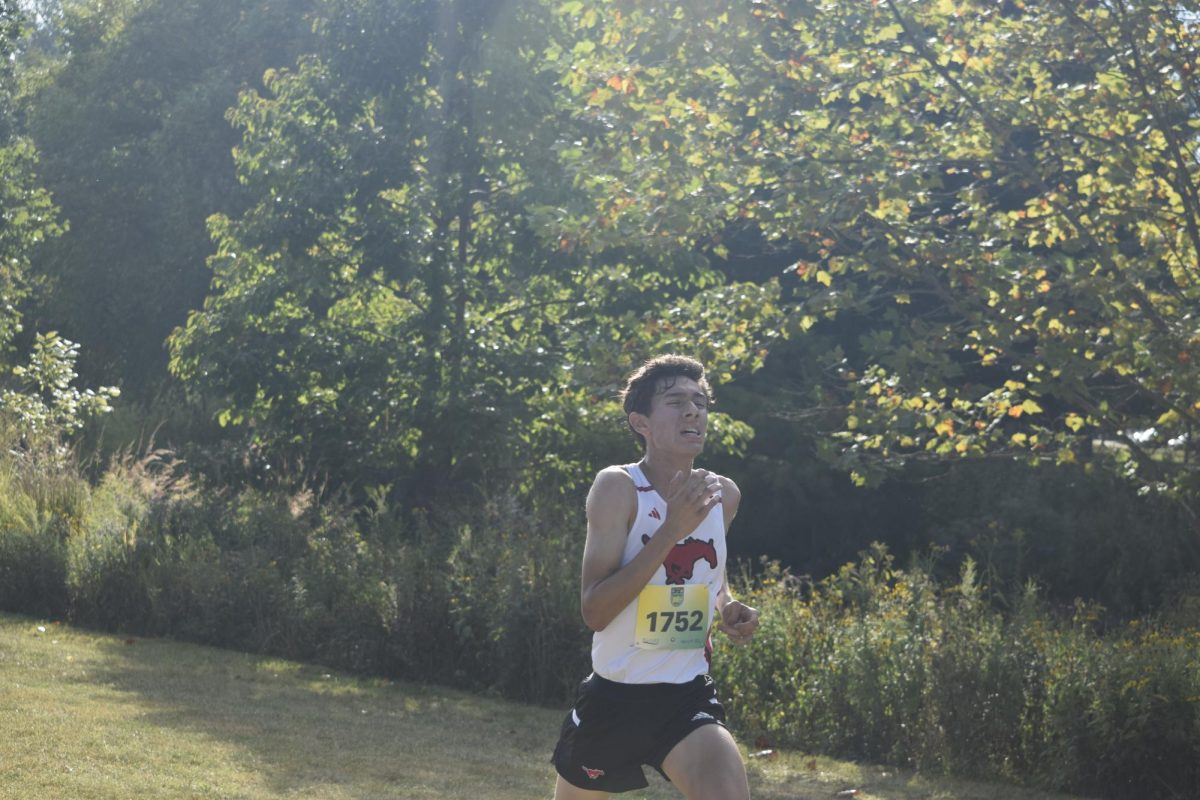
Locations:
(680, 563)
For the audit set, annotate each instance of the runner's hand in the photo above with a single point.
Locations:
(690, 496)
(738, 622)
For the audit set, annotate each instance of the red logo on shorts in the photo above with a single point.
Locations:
(593, 773)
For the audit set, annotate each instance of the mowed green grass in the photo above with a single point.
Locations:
(87, 715)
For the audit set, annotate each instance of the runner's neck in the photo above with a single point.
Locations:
(660, 471)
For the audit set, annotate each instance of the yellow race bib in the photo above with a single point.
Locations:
(673, 617)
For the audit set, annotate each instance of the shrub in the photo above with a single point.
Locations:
(880, 663)
(123, 539)
(342, 593)
(514, 600)
(1078, 533)
(39, 501)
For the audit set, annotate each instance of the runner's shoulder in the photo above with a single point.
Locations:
(731, 496)
(613, 485)
(729, 489)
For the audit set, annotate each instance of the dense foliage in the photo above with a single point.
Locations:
(37, 397)
(873, 662)
(372, 270)
(27, 215)
(394, 318)
(148, 550)
(883, 662)
(992, 204)
(126, 101)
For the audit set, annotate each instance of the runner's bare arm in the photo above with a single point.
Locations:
(731, 498)
(738, 620)
(605, 586)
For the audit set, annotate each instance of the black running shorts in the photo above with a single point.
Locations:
(615, 728)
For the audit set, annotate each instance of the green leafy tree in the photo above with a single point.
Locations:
(125, 100)
(45, 406)
(37, 397)
(369, 318)
(391, 309)
(989, 208)
(27, 214)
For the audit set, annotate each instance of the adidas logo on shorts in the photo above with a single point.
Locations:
(702, 715)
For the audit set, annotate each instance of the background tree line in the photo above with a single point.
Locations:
(414, 246)
(368, 273)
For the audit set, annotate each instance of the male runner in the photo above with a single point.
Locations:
(653, 575)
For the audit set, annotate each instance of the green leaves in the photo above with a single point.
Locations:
(28, 218)
(47, 407)
(383, 307)
(1006, 194)
(37, 397)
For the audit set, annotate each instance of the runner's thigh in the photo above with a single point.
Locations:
(565, 791)
(706, 765)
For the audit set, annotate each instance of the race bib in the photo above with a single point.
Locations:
(673, 617)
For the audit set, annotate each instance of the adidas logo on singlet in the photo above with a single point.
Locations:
(654, 513)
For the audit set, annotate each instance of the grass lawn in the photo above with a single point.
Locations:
(87, 715)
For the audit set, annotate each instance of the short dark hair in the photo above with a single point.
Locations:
(655, 376)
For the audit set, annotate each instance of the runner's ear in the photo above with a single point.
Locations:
(639, 422)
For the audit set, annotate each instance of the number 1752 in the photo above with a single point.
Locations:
(680, 621)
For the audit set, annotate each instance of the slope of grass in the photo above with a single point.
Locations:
(89, 715)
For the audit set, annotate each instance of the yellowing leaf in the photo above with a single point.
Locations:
(1171, 417)
(599, 97)
(824, 278)
(1074, 422)
(885, 34)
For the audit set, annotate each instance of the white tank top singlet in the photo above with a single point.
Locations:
(698, 559)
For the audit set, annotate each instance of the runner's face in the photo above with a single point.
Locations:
(678, 418)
